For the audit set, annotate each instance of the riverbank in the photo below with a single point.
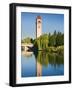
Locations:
(58, 49)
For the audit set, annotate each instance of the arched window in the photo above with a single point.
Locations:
(39, 21)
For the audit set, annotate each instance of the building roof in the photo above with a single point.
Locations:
(38, 17)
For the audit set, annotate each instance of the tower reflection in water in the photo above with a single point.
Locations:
(41, 60)
(45, 64)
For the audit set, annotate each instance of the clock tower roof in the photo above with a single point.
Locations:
(38, 17)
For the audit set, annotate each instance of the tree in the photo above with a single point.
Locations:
(42, 42)
(60, 39)
(52, 39)
(27, 40)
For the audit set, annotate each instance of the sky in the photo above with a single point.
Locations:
(50, 23)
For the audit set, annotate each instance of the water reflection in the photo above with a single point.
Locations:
(27, 54)
(42, 63)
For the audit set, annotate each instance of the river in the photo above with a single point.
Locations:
(41, 64)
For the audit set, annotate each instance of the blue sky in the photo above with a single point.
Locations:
(50, 23)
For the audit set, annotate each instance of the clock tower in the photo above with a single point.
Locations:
(38, 26)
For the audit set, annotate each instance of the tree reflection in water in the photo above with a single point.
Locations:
(45, 58)
(42, 63)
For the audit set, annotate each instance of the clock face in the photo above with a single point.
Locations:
(39, 21)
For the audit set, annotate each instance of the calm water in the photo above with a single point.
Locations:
(41, 64)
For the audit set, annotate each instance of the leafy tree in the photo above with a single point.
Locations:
(27, 40)
(46, 40)
(60, 39)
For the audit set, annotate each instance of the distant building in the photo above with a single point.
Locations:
(38, 26)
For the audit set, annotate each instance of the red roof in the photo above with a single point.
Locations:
(38, 17)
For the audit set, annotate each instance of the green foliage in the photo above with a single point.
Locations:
(27, 40)
(52, 40)
(42, 41)
(48, 42)
(60, 39)
(45, 58)
(58, 49)
(56, 39)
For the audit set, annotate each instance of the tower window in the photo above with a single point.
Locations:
(39, 21)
